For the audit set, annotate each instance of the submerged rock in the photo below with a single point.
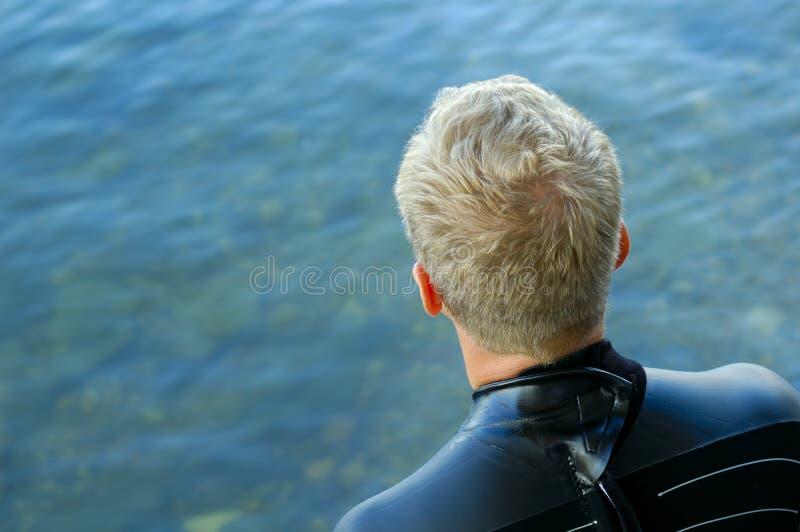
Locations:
(210, 522)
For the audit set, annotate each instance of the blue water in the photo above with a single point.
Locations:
(154, 155)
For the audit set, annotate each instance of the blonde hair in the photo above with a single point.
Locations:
(511, 200)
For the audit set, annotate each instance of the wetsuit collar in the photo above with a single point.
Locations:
(588, 356)
(593, 392)
(599, 355)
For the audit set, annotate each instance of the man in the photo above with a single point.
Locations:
(512, 202)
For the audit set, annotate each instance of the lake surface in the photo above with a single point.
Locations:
(157, 159)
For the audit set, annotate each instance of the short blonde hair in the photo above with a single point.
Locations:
(511, 200)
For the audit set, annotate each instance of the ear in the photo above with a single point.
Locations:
(431, 300)
(624, 245)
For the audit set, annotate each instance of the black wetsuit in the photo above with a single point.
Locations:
(598, 443)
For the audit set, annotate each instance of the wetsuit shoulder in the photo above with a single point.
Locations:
(466, 486)
(446, 493)
(717, 450)
(686, 410)
(402, 505)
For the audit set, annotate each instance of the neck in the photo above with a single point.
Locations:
(484, 366)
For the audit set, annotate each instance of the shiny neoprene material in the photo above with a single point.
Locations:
(557, 450)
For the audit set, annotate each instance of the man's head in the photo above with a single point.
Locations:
(511, 200)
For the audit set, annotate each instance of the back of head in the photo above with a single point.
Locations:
(511, 200)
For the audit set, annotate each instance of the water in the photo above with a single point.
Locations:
(154, 155)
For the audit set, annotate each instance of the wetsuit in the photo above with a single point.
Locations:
(598, 443)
